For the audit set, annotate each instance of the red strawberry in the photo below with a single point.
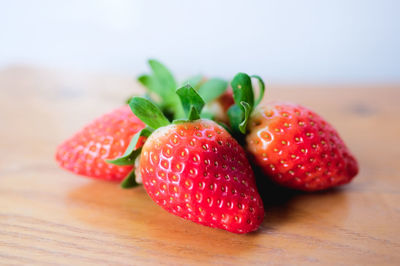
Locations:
(196, 170)
(294, 146)
(298, 149)
(105, 137)
(86, 152)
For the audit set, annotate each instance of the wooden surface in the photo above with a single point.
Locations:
(50, 216)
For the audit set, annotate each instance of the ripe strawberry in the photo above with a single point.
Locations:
(86, 152)
(196, 170)
(298, 149)
(105, 137)
(294, 146)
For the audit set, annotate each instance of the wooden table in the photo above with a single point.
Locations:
(50, 216)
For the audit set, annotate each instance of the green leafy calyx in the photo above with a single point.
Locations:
(191, 101)
(243, 94)
(130, 155)
(162, 83)
(148, 112)
(128, 158)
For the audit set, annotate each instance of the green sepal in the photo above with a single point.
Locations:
(163, 76)
(168, 84)
(247, 112)
(126, 159)
(163, 83)
(130, 154)
(148, 112)
(212, 89)
(129, 181)
(191, 101)
(207, 115)
(128, 100)
(146, 96)
(153, 85)
(244, 102)
(195, 81)
(193, 114)
(261, 86)
(242, 89)
(235, 115)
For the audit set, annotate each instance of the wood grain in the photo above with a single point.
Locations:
(49, 216)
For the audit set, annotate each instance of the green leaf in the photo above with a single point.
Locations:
(191, 101)
(167, 86)
(152, 84)
(128, 158)
(146, 96)
(128, 100)
(244, 102)
(261, 86)
(212, 89)
(207, 115)
(163, 83)
(247, 112)
(242, 90)
(194, 81)
(130, 180)
(148, 112)
(163, 75)
(235, 115)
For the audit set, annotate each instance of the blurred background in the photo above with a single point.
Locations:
(290, 41)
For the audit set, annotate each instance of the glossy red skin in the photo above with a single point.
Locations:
(106, 137)
(197, 171)
(298, 149)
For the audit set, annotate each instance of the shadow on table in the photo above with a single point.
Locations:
(285, 206)
(132, 217)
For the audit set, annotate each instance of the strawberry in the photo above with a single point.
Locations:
(297, 148)
(293, 145)
(196, 170)
(85, 153)
(105, 137)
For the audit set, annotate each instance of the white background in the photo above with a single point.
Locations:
(285, 41)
